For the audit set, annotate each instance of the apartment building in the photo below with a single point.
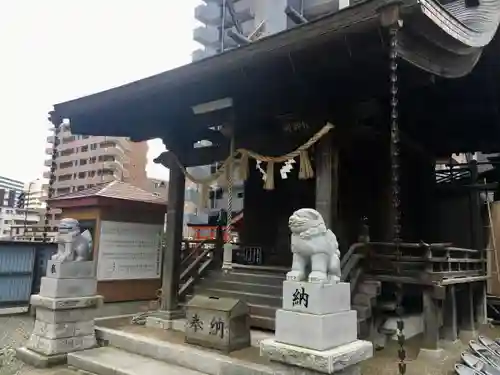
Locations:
(34, 194)
(9, 191)
(254, 19)
(84, 161)
(9, 213)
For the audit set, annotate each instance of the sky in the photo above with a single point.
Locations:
(52, 51)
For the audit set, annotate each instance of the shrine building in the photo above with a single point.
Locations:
(347, 114)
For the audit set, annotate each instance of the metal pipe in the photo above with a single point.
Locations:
(295, 16)
(238, 38)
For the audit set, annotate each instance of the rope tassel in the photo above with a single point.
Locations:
(269, 185)
(243, 169)
(306, 170)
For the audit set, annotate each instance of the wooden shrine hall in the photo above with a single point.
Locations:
(364, 101)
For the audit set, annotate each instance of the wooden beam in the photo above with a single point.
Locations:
(214, 136)
(194, 157)
(327, 181)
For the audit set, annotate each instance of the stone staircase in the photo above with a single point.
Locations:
(145, 350)
(262, 290)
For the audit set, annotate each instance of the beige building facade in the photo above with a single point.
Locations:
(83, 162)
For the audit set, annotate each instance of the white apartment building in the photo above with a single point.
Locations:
(9, 213)
(34, 194)
(16, 217)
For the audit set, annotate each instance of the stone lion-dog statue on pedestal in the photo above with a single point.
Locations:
(316, 255)
(72, 246)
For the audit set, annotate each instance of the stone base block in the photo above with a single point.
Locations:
(166, 324)
(71, 270)
(316, 332)
(316, 298)
(65, 316)
(63, 330)
(66, 303)
(39, 360)
(62, 288)
(50, 347)
(341, 358)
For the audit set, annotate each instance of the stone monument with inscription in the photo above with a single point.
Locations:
(67, 303)
(316, 329)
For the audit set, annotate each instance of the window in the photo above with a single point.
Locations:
(84, 148)
(81, 175)
(92, 160)
(67, 152)
(83, 161)
(240, 195)
(93, 146)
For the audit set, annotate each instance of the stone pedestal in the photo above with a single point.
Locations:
(317, 330)
(65, 312)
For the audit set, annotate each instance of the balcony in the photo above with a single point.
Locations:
(209, 14)
(111, 164)
(123, 142)
(206, 35)
(48, 150)
(203, 53)
(51, 139)
(316, 8)
(244, 10)
(47, 163)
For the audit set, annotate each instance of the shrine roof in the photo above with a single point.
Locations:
(114, 190)
(337, 59)
(133, 109)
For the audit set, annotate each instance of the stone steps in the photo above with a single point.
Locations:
(250, 298)
(113, 361)
(129, 353)
(250, 277)
(260, 288)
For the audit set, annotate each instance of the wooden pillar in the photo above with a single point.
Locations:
(480, 303)
(450, 328)
(326, 163)
(431, 320)
(466, 308)
(172, 250)
(475, 208)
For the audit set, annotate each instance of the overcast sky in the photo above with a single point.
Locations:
(57, 50)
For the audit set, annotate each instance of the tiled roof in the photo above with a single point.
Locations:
(116, 190)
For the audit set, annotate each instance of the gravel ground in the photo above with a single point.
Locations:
(16, 329)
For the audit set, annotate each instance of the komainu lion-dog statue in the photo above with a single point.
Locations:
(316, 255)
(72, 246)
